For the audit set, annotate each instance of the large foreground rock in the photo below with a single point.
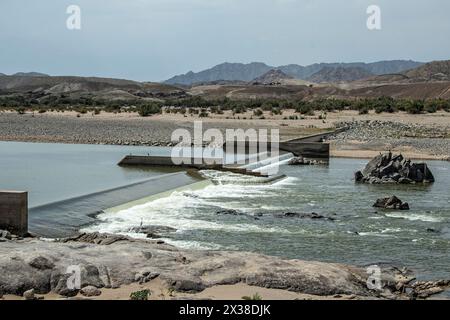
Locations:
(111, 261)
(390, 168)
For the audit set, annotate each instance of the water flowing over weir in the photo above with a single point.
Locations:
(64, 218)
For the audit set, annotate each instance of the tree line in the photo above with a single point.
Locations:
(201, 106)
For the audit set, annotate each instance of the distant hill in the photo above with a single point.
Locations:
(81, 86)
(340, 74)
(225, 71)
(434, 71)
(273, 76)
(250, 71)
(30, 74)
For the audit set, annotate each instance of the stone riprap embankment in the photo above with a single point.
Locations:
(110, 261)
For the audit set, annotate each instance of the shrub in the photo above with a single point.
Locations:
(304, 107)
(258, 112)
(256, 296)
(415, 107)
(140, 295)
(149, 109)
(276, 111)
(364, 110)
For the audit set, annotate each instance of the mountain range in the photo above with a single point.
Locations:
(248, 72)
(427, 81)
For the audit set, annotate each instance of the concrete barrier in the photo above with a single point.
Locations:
(197, 163)
(314, 150)
(14, 211)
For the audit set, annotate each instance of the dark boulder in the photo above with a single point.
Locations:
(359, 176)
(391, 203)
(389, 168)
(41, 263)
(230, 212)
(311, 215)
(153, 232)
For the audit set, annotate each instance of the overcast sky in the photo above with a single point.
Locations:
(155, 39)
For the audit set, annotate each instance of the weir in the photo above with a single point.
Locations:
(65, 218)
(311, 147)
(193, 163)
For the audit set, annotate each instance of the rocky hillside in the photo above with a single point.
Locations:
(433, 71)
(248, 72)
(339, 74)
(272, 77)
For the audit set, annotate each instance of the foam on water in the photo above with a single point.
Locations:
(415, 217)
(180, 209)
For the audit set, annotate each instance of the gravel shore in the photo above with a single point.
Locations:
(110, 129)
(414, 140)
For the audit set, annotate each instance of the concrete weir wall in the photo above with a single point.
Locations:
(14, 211)
(197, 163)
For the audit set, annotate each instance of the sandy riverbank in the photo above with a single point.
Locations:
(425, 136)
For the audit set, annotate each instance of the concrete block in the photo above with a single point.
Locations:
(14, 211)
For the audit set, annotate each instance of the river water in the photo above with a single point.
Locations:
(361, 235)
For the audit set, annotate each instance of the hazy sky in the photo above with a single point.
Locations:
(156, 39)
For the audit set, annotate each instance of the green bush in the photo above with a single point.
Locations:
(415, 107)
(149, 109)
(140, 295)
(256, 296)
(276, 111)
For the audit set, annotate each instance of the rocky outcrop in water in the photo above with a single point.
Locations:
(391, 203)
(390, 168)
(312, 215)
(300, 161)
(293, 215)
(153, 232)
